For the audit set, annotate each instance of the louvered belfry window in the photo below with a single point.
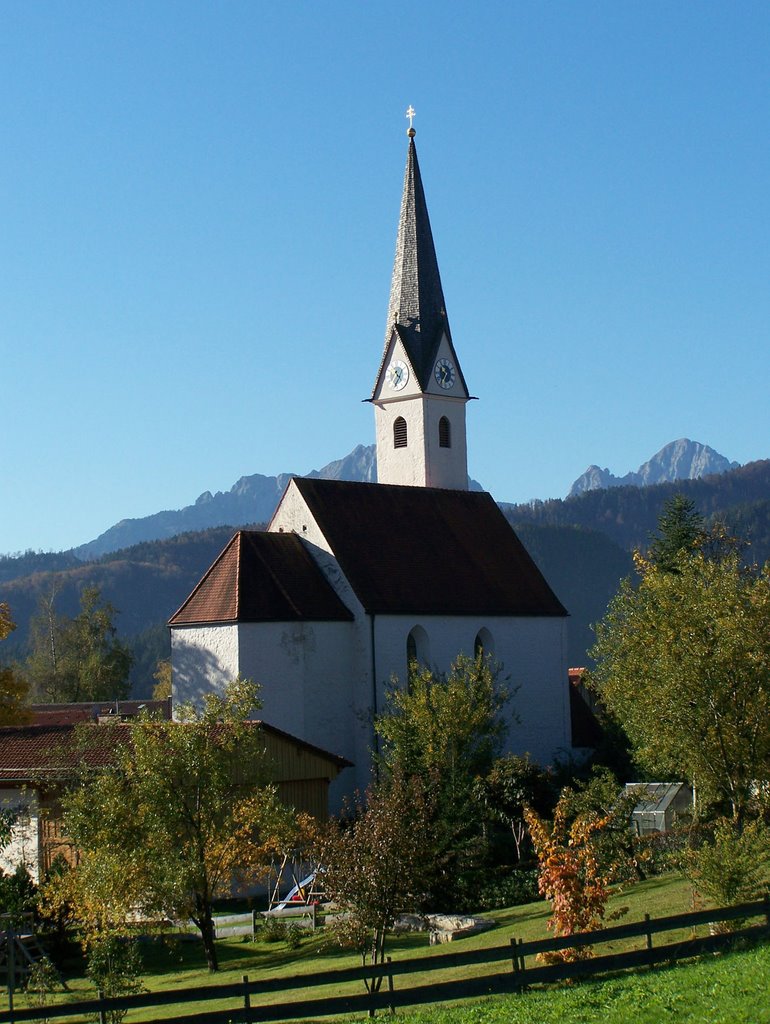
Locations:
(444, 433)
(399, 432)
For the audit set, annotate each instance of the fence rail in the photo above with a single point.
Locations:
(515, 978)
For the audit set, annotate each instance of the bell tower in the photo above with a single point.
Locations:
(420, 394)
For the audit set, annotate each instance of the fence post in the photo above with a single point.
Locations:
(390, 985)
(246, 997)
(102, 1018)
(254, 924)
(10, 938)
(518, 963)
(649, 931)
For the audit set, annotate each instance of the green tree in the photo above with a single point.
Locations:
(513, 784)
(181, 814)
(13, 689)
(162, 677)
(375, 864)
(79, 659)
(683, 663)
(446, 730)
(680, 530)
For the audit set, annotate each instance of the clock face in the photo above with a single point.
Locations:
(444, 374)
(397, 375)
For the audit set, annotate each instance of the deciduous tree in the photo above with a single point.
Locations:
(683, 663)
(13, 689)
(79, 659)
(446, 730)
(580, 853)
(182, 813)
(376, 863)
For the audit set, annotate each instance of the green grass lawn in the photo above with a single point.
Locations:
(733, 985)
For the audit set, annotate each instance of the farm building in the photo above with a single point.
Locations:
(38, 759)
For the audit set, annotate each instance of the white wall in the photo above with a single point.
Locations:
(24, 847)
(202, 658)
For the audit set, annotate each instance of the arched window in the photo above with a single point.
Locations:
(399, 432)
(417, 648)
(483, 645)
(444, 433)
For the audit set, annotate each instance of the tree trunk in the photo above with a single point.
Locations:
(205, 924)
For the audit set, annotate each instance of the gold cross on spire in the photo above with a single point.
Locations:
(410, 114)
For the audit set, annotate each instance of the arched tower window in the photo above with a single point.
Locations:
(483, 645)
(444, 433)
(399, 432)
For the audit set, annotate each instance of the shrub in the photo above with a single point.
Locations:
(731, 868)
(114, 966)
(509, 890)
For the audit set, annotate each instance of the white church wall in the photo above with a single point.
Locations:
(532, 655)
(304, 670)
(203, 658)
(24, 846)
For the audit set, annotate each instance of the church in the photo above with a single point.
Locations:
(352, 581)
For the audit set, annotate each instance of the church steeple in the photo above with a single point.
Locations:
(420, 392)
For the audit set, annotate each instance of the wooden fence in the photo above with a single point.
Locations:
(517, 976)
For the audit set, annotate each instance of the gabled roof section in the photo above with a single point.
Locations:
(40, 753)
(428, 551)
(262, 577)
(416, 309)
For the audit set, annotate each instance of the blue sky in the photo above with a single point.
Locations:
(199, 205)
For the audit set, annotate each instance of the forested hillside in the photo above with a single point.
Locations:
(582, 544)
(628, 515)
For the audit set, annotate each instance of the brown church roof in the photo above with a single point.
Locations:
(262, 577)
(429, 551)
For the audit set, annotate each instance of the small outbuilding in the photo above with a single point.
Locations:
(660, 805)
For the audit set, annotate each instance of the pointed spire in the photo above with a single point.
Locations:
(416, 308)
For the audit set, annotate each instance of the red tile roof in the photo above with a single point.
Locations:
(262, 577)
(32, 752)
(64, 714)
(39, 753)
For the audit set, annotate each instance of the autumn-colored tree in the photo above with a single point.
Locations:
(683, 663)
(580, 854)
(181, 813)
(13, 690)
(79, 659)
(445, 730)
(375, 863)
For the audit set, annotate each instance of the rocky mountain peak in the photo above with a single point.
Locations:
(678, 460)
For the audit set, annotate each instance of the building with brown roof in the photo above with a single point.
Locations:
(37, 760)
(351, 581)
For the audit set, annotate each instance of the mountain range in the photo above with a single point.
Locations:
(253, 499)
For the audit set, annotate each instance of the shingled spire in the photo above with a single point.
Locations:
(416, 309)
